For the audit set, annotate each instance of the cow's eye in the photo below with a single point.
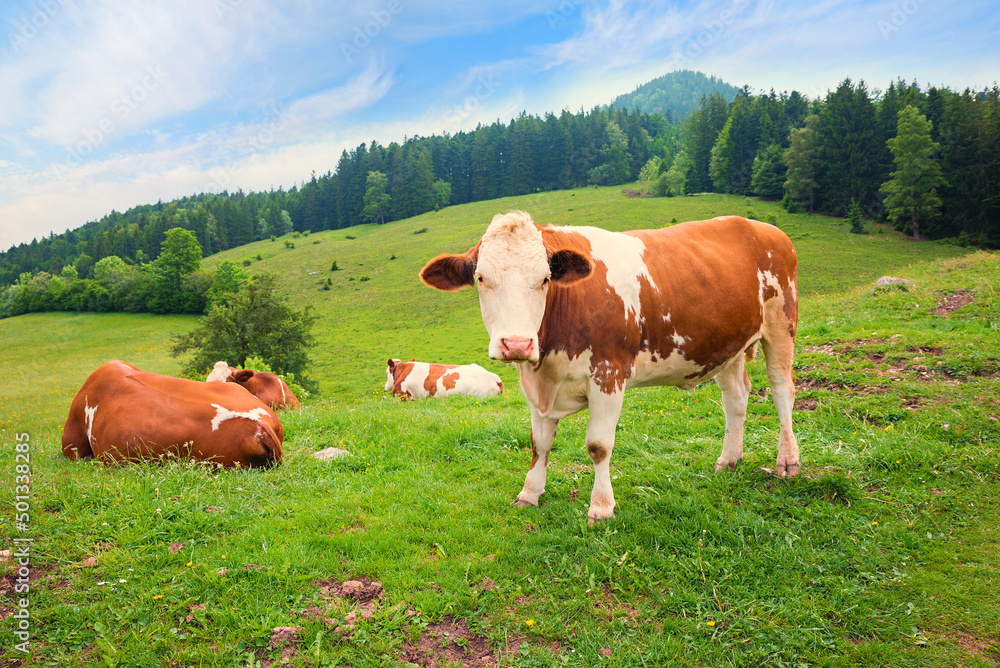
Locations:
(545, 281)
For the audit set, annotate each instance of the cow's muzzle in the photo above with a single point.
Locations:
(516, 348)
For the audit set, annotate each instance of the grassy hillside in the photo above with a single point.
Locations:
(377, 308)
(883, 552)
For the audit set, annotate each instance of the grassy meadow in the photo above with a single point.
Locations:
(883, 552)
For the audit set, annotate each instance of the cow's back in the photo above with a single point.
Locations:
(123, 413)
(667, 306)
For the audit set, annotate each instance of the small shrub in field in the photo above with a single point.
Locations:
(246, 263)
(421, 230)
(771, 219)
(258, 258)
(365, 278)
(334, 266)
(289, 244)
(296, 235)
(752, 215)
(393, 257)
(274, 238)
(350, 238)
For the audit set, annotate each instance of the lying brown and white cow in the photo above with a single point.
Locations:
(586, 313)
(125, 414)
(417, 380)
(267, 387)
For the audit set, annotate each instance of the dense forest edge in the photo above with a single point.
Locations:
(926, 161)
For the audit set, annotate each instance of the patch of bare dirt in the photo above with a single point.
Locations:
(449, 642)
(806, 405)
(949, 302)
(631, 192)
(978, 647)
(285, 638)
(348, 602)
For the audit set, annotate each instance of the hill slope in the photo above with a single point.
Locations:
(376, 307)
(674, 95)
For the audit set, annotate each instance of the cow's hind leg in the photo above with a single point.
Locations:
(605, 410)
(779, 350)
(543, 432)
(735, 385)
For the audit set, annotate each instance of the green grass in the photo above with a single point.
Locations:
(883, 552)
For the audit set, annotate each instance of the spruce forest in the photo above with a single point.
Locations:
(925, 160)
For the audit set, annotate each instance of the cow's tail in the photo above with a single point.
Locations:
(750, 353)
(75, 442)
(270, 445)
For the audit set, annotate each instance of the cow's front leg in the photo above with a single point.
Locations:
(543, 432)
(604, 412)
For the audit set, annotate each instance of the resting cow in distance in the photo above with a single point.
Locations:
(125, 414)
(417, 380)
(586, 313)
(267, 387)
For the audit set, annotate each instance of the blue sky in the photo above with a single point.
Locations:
(111, 104)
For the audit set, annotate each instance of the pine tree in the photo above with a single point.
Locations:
(769, 172)
(911, 192)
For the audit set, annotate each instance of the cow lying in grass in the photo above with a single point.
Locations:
(417, 380)
(586, 314)
(267, 387)
(125, 414)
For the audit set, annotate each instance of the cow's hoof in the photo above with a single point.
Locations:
(720, 465)
(522, 502)
(596, 515)
(788, 469)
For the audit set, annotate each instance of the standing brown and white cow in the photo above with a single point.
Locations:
(586, 313)
(125, 414)
(267, 387)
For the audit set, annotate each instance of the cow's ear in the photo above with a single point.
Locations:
(243, 375)
(569, 266)
(451, 272)
(391, 364)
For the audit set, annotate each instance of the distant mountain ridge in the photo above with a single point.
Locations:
(674, 95)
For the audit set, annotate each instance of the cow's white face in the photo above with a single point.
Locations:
(220, 373)
(512, 277)
(390, 380)
(513, 270)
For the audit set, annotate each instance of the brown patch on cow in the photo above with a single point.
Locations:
(449, 380)
(949, 302)
(449, 642)
(597, 451)
(434, 373)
